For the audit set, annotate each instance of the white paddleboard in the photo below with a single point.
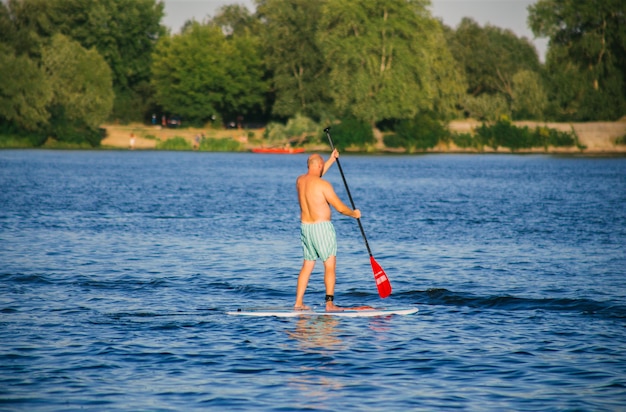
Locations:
(350, 313)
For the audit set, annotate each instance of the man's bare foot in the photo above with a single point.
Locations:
(331, 307)
(301, 307)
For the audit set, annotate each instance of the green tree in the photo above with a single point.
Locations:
(587, 55)
(200, 73)
(564, 85)
(376, 53)
(447, 81)
(292, 54)
(486, 106)
(236, 20)
(244, 30)
(491, 57)
(22, 24)
(25, 92)
(123, 31)
(529, 99)
(82, 88)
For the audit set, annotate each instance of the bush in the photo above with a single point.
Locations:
(486, 107)
(74, 132)
(13, 137)
(394, 141)
(352, 132)
(64, 145)
(302, 129)
(220, 145)
(553, 137)
(275, 132)
(176, 143)
(504, 134)
(463, 140)
(621, 140)
(299, 129)
(422, 132)
(15, 142)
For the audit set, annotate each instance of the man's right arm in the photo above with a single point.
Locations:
(333, 157)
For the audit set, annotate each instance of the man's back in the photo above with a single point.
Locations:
(313, 202)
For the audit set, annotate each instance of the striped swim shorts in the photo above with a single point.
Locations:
(318, 240)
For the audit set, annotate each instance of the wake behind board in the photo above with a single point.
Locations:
(349, 313)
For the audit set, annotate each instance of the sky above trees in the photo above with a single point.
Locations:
(507, 14)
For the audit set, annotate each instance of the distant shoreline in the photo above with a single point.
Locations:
(596, 138)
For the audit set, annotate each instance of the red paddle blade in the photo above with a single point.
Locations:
(382, 281)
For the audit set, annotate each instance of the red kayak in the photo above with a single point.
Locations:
(278, 150)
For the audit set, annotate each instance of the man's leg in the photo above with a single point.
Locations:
(330, 265)
(303, 281)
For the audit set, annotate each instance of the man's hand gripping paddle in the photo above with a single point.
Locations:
(382, 281)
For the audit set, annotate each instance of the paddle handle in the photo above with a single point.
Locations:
(345, 183)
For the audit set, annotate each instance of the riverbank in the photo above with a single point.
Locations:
(593, 137)
(147, 137)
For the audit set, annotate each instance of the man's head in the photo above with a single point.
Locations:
(315, 164)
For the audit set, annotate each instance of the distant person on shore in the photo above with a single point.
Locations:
(317, 232)
(132, 141)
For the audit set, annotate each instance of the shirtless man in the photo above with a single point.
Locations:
(316, 195)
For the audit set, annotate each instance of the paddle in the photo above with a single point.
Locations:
(382, 281)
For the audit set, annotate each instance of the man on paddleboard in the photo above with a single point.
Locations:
(317, 233)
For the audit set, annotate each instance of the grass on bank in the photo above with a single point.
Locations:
(26, 142)
(15, 142)
(205, 145)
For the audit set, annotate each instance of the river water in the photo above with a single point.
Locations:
(117, 269)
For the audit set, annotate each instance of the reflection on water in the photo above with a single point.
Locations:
(315, 388)
(317, 332)
(320, 335)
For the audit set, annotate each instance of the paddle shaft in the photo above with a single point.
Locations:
(343, 177)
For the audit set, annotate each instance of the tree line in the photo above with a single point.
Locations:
(67, 66)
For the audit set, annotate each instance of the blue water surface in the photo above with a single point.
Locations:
(117, 268)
